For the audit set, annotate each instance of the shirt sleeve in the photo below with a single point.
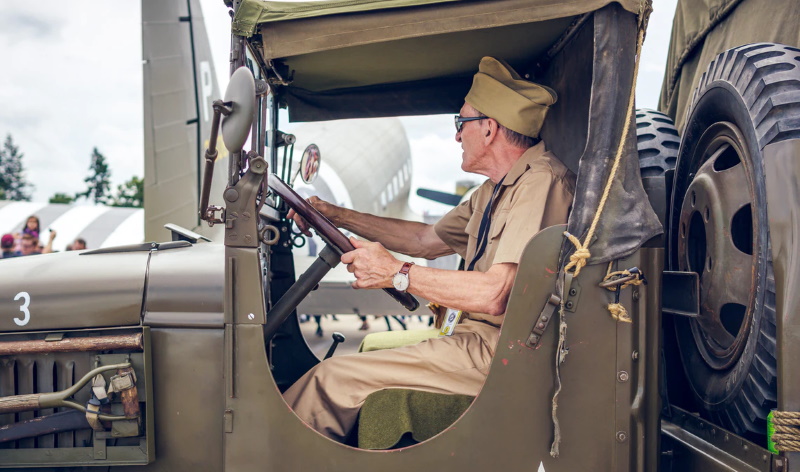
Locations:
(524, 217)
(451, 228)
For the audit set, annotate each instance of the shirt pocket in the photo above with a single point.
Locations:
(474, 224)
(498, 225)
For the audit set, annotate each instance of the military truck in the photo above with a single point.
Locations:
(173, 355)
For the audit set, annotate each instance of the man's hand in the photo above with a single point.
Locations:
(328, 210)
(372, 264)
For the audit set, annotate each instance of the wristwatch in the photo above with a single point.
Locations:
(400, 279)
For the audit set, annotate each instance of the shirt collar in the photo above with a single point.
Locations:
(524, 163)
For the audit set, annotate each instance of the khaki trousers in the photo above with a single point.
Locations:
(329, 396)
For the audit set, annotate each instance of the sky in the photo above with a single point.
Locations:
(72, 81)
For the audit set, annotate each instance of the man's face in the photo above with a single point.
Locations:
(28, 246)
(471, 139)
(78, 245)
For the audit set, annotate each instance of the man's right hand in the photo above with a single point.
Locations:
(328, 210)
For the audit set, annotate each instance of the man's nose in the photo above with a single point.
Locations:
(458, 136)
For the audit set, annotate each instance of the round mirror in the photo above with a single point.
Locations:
(309, 163)
(241, 92)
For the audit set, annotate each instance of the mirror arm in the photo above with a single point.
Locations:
(280, 312)
(220, 108)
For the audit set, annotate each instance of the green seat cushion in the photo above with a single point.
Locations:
(400, 417)
(393, 339)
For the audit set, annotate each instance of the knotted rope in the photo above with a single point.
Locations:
(618, 312)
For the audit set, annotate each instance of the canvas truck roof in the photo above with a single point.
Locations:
(368, 58)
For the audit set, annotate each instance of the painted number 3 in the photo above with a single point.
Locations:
(26, 300)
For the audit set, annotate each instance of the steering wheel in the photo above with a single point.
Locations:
(328, 231)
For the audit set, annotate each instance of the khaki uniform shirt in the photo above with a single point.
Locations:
(536, 193)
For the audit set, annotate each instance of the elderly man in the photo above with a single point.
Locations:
(528, 189)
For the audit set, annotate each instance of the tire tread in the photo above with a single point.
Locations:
(657, 142)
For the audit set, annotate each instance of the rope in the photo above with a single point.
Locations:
(561, 355)
(787, 430)
(581, 255)
(617, 310)
(619, 313)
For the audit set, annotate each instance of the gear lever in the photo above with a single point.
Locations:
(337, 338)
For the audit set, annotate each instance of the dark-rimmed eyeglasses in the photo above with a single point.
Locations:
(460, 120)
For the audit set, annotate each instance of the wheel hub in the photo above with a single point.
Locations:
(716, 240)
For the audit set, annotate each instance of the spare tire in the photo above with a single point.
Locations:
(748, 97)
(657, 142)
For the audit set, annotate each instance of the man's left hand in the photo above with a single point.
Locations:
(372, 264)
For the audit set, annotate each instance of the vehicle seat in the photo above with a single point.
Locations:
(394, 418)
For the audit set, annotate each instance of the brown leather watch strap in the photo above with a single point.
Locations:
(406, 267)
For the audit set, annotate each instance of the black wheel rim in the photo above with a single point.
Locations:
(717, 238)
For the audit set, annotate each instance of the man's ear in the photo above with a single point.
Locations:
(492, 128)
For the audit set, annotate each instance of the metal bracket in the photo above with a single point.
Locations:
(211, 215)
(680, 293)
(544, 318)
(99, 445)
(573, 296)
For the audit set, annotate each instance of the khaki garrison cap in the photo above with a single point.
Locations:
(500, 93)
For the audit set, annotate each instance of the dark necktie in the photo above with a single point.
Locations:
(486, 223)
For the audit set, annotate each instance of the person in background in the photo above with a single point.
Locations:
(32, 226)
(30, 245)
(78, 245)
(7, 244)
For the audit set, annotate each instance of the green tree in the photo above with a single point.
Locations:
(13, 185)
(130, 194)
(98, 182)
(61, 198)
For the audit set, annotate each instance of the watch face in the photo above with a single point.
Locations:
(400, 281)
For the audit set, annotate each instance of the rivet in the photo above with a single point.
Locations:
(283, 229)
(635, 295)
(251, 316)
(622, 376)
(622, 436)
(544, 318)
(540, 325)
(635, 355)
(573, 292)
(570, 305)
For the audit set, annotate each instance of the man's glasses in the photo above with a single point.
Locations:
(460, 120)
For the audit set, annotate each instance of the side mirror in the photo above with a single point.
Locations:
(241, 92)
(309, 163)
